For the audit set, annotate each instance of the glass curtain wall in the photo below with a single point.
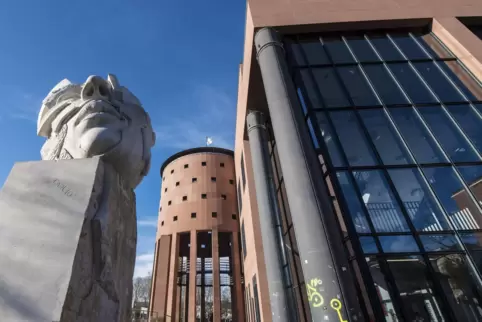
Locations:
(183, 276)
(397, 122)
(204, 277)
(226, 276)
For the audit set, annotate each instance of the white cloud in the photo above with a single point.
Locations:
(147, 222)
(144, 265)
(215, 118)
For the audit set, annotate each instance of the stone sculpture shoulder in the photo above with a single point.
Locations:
(97, 118)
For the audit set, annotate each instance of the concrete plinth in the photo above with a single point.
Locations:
(67, 242)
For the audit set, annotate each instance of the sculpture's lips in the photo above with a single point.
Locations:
(100, 111)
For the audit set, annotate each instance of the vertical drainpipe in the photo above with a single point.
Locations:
(270, 225)
(329, 286)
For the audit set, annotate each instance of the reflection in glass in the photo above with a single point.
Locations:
(445, 91)
(314, 52)
(362, 49)
(385, 47)
(398, 244)
(352, 139)
(354, 206)
(357, 86)
(473, 241)
(458, 285)
(417, 137)
(310, 88)
(462, 79)
(330, 88)
(472, 175)
(382, 207)
(408, 46)
(368, 245)
(384, 85)
(411, 83)
(419, 303)
(448, 135)
(418, 200)
(384, 137)
(462, 212)
(328, 136)
(439, 243)
(312, 133)
(432, 46)
(383, 291)
(302, 101)
(337, 49)
(469, 121)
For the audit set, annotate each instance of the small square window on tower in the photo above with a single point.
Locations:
(231, 181)
(177, 183)
(194, 180)
(204, 196)
(213, 179)
(214, 214)
(186, 166)
(203, 163)
(223, 197)
(184, 198)
(162, 223)
(193, 215)
(174, 218)
(221, 165)
(165, 190)
(169, 203)
(172, 171)
(233, 216)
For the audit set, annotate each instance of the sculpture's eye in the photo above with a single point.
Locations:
(89, 91)
(103, 90)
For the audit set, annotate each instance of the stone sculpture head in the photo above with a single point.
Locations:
(97, 118)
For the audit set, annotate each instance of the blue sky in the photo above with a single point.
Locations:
(179, 57)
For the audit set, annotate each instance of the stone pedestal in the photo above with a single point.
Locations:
(67, 242)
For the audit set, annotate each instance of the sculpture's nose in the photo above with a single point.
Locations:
(95, 88)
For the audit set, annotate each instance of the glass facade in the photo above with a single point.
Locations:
(397, 123)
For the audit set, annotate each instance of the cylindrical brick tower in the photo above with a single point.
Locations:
(197, 273)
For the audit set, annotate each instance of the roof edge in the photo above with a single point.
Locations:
(204, 149)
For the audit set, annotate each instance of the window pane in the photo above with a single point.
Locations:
(398, 244)
(384, 85)
(354, 143)
(418, 200)
(463, 80)
(408, 46)
(384, 137)
(453, 197)
(419, 303)
(432, 46)
(469, 121)
(417, 137)
(296, 54)
(314, 52)
(382, 207)
(330, 87)
(368, 245)
(354, 205)
(312, 133)
(383, 290)
(458, 285)
(472, 176)
(411, 83)
(445, 91)
(329, 138)
(447, 134)
(439, 243)
(357, 86)
(337, 49)
(385, 48)
(310, 88)
(473, 241)
(302, 101)
(362, 49)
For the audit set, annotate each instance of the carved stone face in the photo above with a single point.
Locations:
(97, 118)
